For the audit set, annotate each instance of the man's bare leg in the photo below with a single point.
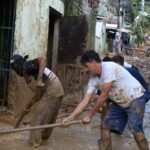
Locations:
(105, 142)
(141, 140)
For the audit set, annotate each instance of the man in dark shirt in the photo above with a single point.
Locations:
(49, 104)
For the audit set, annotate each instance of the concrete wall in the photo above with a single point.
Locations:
(31, 36)
(100, 41)
(31, 26)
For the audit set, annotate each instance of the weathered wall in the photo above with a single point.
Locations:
(73, 7)
(72, 38)
(31, 38)
(74, 80)
(82, 7)
(31, 27)
(91, 18)
(100, 43)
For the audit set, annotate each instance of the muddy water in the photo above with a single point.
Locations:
(79, 137)
(76, 137)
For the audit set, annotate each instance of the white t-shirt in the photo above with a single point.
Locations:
(125, 87)
(55, 87)
(127, 64)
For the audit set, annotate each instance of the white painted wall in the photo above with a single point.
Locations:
(100, 39)
(31, 26)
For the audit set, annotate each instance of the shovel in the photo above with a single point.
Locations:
(38, 127)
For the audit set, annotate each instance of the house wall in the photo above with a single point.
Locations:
(83, 7)
(31, 36)
(31, 26)
(100, 39)
(73, 7)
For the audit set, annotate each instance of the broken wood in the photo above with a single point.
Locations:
(38, 127)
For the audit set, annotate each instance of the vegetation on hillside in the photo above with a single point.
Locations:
(141, 21)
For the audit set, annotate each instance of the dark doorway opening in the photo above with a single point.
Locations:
(7, 17)
(110, 39)
(51, 51)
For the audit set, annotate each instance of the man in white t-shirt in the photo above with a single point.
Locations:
(126, 92)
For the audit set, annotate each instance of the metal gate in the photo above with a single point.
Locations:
(7, 17)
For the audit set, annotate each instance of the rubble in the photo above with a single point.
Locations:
(139, 60)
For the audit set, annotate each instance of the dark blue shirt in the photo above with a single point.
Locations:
(136, 74)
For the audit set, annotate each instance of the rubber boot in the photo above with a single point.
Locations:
(142, 144)
(104, 144)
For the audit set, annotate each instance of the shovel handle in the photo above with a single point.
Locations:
(38, 127)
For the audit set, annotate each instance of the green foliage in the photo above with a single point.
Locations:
(135, 7)
(142, 25)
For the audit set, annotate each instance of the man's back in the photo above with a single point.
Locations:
(137, 76)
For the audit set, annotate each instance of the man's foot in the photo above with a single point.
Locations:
(36, 145)
(104, 145)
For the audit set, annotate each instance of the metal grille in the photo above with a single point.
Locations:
(6, 44)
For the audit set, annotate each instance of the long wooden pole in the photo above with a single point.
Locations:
(38, 127)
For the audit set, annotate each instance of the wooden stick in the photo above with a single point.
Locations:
(38, 127)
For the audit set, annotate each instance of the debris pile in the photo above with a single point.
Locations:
(142, 62)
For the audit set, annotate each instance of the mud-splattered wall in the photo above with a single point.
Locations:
(74, 80)
(31, 38)
(31, 26)
(72, 38)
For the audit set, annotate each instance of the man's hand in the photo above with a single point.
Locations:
(40, 83)
(66, 121)
(87, 120)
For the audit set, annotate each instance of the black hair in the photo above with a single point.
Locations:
(89, 56)
(118, 59)
(17, 63)
(107, 58)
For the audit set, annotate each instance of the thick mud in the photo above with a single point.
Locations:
(76, 137)
(79, 137)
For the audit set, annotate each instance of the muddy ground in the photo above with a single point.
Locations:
(80, 137)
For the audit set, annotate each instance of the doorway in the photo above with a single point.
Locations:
(52, 37)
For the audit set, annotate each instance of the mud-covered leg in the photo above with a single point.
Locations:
(40, 117)
(141, 140)
(105, 142)
(46, 133)
(35, 135)
(35, 138)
